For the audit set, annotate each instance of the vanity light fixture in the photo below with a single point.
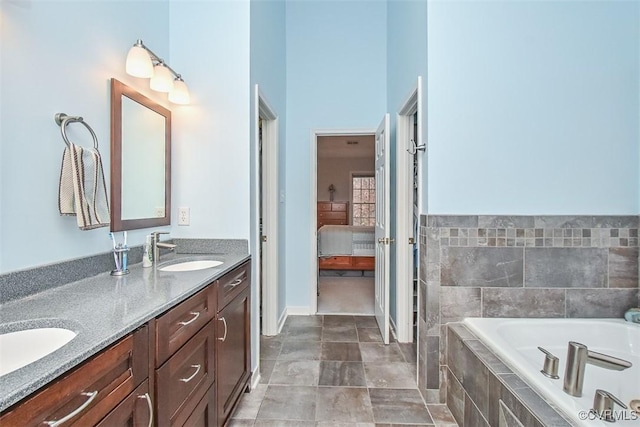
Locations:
(162, 80)
(142, 62)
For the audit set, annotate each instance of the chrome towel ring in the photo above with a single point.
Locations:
(63, 120)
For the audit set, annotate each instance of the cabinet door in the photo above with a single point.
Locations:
(233, 353)
(204, 415)
(135, 411)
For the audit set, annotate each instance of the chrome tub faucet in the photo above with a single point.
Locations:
(156, 244)
(578, 356)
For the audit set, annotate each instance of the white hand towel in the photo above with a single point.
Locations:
(82, 190)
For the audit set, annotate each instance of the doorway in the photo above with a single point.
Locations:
(314, 192)
(345, 175)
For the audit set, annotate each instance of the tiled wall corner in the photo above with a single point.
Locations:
(519, 266)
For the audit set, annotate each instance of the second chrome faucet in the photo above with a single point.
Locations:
(578, 356)
(156, 244)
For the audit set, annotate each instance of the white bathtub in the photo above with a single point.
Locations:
(515, 341)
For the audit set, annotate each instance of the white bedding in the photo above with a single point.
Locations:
(346, 240)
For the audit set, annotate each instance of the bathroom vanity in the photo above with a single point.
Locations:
(186, 364)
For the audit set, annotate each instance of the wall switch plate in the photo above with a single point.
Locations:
(184, 216)
(160, 212)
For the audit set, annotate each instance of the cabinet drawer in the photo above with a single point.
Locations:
(184, 379)
(135, 411)
(324, 206)
(332, 215)
(232, 283)
(333, 262)
(175, 327)
(89, 392)
(364, 263)
(339, 207)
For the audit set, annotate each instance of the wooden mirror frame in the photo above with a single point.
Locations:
(118, 90)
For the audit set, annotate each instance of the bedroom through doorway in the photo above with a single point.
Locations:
(345, 224)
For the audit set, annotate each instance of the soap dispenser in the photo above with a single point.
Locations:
(147, 253)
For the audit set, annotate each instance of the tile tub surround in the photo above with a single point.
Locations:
(479, 384)
(101, 309)
(519, 266)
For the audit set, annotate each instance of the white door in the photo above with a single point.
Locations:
(382, 228)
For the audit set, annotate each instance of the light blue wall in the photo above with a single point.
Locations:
(533, 107)
(211, 139)
(58, 56)
(406, 60)
(268, 70)
(336, 79)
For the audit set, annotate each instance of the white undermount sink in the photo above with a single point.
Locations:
(20, 348)
(200, 264)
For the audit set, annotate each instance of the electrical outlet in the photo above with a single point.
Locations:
(160, 212)
(184, 217)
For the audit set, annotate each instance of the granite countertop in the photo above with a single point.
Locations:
(100, 309)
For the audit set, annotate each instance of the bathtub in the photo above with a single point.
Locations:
(515, 341)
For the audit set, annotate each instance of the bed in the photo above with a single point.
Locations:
(346, 247)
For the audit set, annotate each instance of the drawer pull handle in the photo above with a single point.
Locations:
(197, 368)
(146, 396)
(225, 329)
(235, 282)
(195, 314)
(92, 395)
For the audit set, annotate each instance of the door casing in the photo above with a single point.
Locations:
(270, 203)
(404, 210)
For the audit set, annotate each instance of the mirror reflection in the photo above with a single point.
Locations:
(140, 160)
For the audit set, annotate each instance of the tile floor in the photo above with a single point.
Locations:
(333, 370)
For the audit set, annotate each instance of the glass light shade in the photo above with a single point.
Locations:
(139, 63)
(162, 80)
(180, 93)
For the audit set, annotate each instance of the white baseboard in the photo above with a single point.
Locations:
(255, 378)
(393, 328)
(299, 311)
(283, 318)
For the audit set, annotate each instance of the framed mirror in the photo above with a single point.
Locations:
(140, 160)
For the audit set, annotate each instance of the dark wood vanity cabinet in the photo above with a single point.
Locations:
(203, 353)
(233, 324)
(187, 367)
(93, 391)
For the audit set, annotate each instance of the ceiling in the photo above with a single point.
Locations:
(336, 146)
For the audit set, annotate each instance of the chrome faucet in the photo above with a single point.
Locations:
(156, 244)
(578, 355)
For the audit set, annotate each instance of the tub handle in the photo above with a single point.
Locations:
(550, 366)
(603, 402)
